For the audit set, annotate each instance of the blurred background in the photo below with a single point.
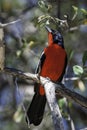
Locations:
(25, 40)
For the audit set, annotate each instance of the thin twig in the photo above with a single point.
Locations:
(75, 78)
(22, 104)
(84, 129)
(2, 25)
(69, 115)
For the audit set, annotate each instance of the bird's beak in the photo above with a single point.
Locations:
(48, 29)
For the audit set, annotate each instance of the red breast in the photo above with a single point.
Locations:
(54, 63)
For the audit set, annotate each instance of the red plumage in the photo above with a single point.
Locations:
(52, 63)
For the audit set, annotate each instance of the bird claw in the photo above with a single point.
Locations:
(38, 76)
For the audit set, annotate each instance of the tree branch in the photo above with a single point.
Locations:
(50, 89)
(71, 95)
(60, 88)
(52, 102)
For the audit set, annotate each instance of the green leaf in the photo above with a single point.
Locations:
(41, 3)
(71, 54)
(41, 18)
(18, 53)
(84, 58)
(84, 11)
(78, 70)
(75, 8)
(61, 103)
(44, 5)
(47, 22)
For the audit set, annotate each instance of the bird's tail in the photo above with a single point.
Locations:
(36, 109)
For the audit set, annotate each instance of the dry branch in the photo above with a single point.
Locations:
(2, 25)
(52, 102)
(60, 88)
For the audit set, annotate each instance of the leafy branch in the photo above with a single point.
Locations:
(67, 23)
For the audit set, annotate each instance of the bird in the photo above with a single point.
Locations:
(52, 64)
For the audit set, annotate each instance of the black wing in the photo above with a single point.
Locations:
(41, 61)
(36, 109)
(38, 69)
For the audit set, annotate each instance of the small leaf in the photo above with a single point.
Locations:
(71, 54)
(41, 3)
(75, 8)
(18, 116)
(44, 5)
(18, 53)
(81, 85)
(84, 58)
(47, 22)
(78, 70)
(31, 43)
(84, 11)
(41, 18)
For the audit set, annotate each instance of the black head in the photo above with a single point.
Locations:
(57, 37)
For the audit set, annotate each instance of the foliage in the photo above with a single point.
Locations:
(78, 70)
(84, 58)
(26, 57)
